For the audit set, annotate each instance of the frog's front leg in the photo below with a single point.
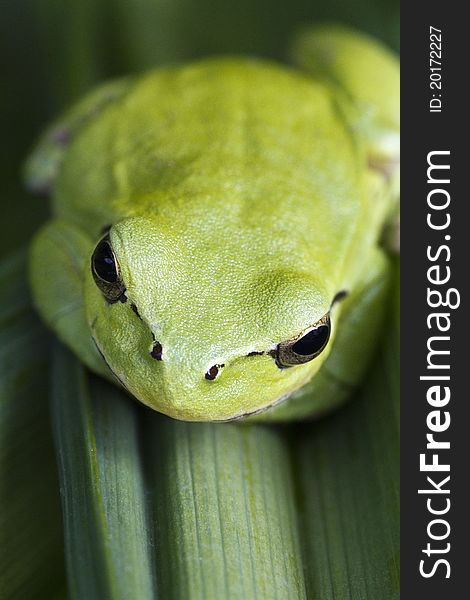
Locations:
(60, 252)
(358, 330)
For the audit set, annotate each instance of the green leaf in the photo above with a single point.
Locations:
(109, 549)
(226, 519)
(31, 551)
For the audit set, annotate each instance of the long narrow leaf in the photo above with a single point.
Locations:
(109, 547)
(31, 554)
(227, 523)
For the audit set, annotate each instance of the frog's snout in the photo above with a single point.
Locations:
(211, 374)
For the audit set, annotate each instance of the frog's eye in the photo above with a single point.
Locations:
(306, 347)
(105, 270)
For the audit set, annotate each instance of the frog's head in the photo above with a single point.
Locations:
(203, 328)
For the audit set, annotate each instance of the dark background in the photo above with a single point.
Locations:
(55, 50)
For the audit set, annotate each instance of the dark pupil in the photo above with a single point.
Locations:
(104, 263)
(313, 341)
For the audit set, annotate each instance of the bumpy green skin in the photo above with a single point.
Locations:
(243, 196)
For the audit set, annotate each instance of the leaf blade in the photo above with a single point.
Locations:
(108, 537)
(229, 510)
(30, 517)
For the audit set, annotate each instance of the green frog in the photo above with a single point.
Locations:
(215, 240)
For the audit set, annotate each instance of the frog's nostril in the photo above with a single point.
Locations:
(212, 373)
(157, 351)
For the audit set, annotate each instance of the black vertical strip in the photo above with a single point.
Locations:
(423, 132)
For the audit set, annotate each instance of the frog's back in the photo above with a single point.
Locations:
(221, 144)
